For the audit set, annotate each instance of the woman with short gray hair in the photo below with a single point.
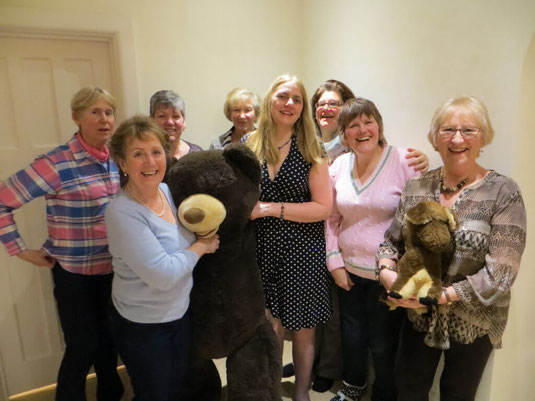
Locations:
(168, 110)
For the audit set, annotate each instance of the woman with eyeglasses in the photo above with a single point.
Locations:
(470, 318)
(327, 102)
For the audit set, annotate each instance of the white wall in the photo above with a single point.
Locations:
(408, 56)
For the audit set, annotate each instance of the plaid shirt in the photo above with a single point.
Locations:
(77, 189)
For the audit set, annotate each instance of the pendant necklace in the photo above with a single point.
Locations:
(144, 204)
(284, 144)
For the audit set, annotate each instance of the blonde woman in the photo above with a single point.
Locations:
(242, 108)
(295, 199)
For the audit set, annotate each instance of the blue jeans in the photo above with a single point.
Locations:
(83, 307)
(155, 356)
(417, 363)
(368, 324)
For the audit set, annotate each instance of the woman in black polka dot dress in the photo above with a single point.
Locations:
(295, 199)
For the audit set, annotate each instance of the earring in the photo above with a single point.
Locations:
(124, 174)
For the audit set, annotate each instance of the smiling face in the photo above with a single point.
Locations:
(96, 123)
(362, 134)
(171, 120)
(458, 151)
(242, 115)
(328, 110)
(144, 163)
(286, 104)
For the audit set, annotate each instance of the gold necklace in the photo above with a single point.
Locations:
(144, 204)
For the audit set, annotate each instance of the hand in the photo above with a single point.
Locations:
(210, 244)
(342, 279)
(37, 257)
(418, 160)
(411, 303)
(387, 278)
(263, 209)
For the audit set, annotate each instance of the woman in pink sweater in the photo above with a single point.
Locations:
(367, 184)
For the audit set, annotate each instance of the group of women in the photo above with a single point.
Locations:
(333, 197)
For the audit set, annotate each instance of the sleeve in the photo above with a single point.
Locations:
(132, 240)
(39, 179)
(335, 259)
(393, 245)
(506, 244)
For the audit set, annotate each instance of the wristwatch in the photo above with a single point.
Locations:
(381, 267)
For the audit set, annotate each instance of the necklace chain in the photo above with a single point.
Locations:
(444, 188)
(284, 144)
(144, 204)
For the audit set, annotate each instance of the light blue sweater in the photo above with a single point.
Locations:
(151, 264)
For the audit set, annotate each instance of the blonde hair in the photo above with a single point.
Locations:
(87, 96)
(472, 106)
(241, 94)
(261, 141)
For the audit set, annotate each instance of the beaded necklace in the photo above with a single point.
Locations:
(144, 204)
(445, 189)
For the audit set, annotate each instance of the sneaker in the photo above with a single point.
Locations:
(349, 393)
(288, 370)
(322, 384)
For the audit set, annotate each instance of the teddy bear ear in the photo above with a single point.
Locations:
(244, 158)
(453, 222)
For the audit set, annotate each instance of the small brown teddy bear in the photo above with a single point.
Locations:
(427, 232)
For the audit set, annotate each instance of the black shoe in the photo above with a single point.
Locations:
(322, 384)
(288, 370)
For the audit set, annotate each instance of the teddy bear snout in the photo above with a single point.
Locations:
(194, 215)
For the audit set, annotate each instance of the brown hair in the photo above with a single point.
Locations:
(331, 85)
(137, 127)
(354, 108)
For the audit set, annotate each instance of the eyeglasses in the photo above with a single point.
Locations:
(466, 132)
(331, 103)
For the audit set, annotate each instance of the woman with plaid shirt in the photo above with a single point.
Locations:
(77, 180)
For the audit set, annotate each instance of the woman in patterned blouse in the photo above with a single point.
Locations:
(471, 314)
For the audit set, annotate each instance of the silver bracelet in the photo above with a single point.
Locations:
(282, 211)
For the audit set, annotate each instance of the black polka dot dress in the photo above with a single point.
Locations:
(291, 255)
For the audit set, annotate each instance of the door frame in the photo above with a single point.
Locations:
(117, 32)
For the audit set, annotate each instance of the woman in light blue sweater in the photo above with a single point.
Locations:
(153, 259)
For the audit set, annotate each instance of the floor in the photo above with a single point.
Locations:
(288, 384)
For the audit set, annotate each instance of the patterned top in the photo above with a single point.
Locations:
(363, 211)
(291, 255)
(77, 188)
(223, 140)
(484, 261)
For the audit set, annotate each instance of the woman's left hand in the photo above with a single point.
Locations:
(411, 303)
(418, 160)
(262, 209)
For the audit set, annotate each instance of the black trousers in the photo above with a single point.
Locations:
(155, 355)
(417, 363)
(83, 306)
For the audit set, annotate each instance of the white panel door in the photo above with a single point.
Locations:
(38, 76)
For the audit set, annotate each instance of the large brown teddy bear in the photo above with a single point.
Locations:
(227, 302)
(427, 233)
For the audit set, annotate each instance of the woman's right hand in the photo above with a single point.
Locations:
(37, 257)
(342, 279)
(205, 245)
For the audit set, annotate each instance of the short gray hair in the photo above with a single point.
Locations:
(167, 98)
